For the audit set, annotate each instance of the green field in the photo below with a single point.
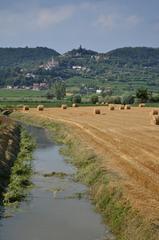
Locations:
(13, 93)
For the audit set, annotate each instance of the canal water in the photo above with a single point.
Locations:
(56, 208)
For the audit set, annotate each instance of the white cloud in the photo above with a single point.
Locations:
(114, 21)
(50, 17)
(34, 19)
(133, 20)
(108, 21)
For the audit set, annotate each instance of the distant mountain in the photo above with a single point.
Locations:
(11, 57)
(137, 55)
(122, 70)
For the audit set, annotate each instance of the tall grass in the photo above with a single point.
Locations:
(21, 171)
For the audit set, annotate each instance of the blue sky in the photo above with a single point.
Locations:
(101, 25)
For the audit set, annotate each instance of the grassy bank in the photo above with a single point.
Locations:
(107, 196)
(21, 171)
(9, 148)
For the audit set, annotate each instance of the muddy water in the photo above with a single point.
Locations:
(54, 209)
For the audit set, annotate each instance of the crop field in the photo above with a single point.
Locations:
(127, 141)
(19, 93)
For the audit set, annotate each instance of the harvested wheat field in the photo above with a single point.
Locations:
(128, 144)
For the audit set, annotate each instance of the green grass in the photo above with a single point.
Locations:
(21, 93)
(21, 171)
(152, 104)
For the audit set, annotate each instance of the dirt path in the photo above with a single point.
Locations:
(128, 144)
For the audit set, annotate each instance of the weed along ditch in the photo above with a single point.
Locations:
(55, 207)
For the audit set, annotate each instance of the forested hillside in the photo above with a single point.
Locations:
(122, 70)
(24, 56)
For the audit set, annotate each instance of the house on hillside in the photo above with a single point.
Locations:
(98, 91)
(44, 86)
(36, 86)
(50, 64)
(76, 67)
(9, 87)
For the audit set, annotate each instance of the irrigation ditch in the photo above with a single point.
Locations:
(43, 199)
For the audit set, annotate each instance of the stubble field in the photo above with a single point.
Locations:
(128, 144)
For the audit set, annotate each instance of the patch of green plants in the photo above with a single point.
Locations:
(21, 171)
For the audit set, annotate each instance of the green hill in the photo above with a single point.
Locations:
(147, 57)
(11, 57)
(123, 70)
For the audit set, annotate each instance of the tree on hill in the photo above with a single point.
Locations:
(76, 98)
(49, 95)
(142, 94)
(59, 90)
(94, 99)
(127, 99)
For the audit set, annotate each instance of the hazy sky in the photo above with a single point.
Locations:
(100, 25)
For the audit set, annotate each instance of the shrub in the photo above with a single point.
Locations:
(113, 100)
(127, 99)
(49, 95)
(142, 93)
(94, 99)
(154, 98)
(76, 99)
(116, 100)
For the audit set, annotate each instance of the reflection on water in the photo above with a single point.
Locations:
(51, 212)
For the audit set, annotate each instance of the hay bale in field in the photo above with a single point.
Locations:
(127, 107)
(74, 105)
(25, 108)
(111, 107)
(40, 108)
(103, 103)
(107, 104)
(122, 107)
(155, 119)
(64, 106)
(97, 111)
(154, 112)
(142, 105)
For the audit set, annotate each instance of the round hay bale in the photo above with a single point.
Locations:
(142, 105)
(74, 105)
(103, 103)
(107, 104)
(122, 107)
(154, 112)
(64, 106)
(40, 108)
(97, 111)
(25, 108)
(155, 119)
(111, 107)
(127, 107)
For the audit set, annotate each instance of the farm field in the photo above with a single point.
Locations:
(128, 144)
(19, 93)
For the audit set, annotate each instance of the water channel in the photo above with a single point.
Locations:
(54, 208)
